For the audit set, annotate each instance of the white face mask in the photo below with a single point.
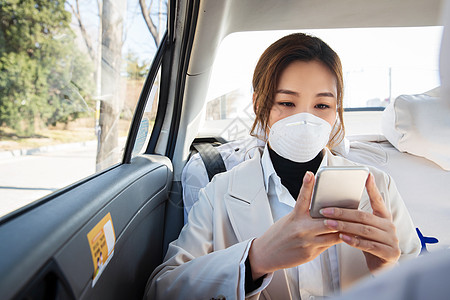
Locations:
(299, 137)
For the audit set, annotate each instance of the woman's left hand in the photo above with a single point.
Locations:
(373, 233)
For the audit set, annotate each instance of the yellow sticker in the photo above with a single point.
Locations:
(101, 240)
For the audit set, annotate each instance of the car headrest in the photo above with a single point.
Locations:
(419, 125)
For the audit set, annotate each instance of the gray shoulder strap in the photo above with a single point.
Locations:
(211, 158)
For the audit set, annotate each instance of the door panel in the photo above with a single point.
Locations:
(135, 194)
(174, 221)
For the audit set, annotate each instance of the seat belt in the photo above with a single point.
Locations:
(211, 158)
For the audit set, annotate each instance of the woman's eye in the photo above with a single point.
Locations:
(322, 106)
(288, 104)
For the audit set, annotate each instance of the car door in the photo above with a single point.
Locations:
(101, 237)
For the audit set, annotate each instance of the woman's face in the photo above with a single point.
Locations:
(305, 87)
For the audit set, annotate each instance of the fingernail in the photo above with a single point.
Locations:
(327, 211)
(331, 223)
(345, 238)
(307, 177)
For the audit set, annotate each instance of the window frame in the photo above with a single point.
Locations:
(160, 61)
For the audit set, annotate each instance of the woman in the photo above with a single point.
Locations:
(250, 234)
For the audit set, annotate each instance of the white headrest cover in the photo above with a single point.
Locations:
(420, 125)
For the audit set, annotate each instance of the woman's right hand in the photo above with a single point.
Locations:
(294, 239)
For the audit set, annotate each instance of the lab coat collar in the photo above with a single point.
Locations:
(246, 179)
(269, 172)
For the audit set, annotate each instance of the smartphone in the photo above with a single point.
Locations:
(338, 187)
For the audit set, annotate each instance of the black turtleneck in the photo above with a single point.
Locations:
(291, 173)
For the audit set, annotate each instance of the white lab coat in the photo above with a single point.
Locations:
(204, 262)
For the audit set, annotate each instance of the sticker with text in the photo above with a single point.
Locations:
(101, 241)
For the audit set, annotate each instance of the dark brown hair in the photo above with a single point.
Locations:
(294, 47)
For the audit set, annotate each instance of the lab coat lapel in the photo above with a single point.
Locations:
(250, 215)
(246, 201)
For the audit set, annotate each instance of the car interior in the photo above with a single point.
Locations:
(45, 252)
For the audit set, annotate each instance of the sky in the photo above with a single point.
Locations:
(137, 37)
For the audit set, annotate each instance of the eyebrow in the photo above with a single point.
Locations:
(326, 94)
(289, 92)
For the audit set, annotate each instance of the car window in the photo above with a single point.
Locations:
(71, 73)
(148, 118)
(379, 64)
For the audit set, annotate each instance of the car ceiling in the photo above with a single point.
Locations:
(217, 19)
